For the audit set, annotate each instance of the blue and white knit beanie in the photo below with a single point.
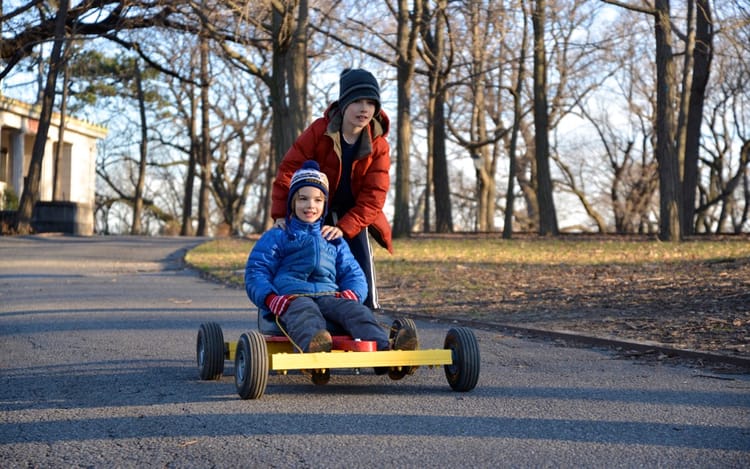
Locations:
(308, 175)
(355, 84)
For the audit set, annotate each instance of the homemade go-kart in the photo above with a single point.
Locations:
(258, 352)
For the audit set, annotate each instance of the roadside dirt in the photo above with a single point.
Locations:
(703, 306)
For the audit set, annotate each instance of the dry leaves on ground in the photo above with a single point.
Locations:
(688, 305)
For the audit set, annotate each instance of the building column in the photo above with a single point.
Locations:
(4, 163)
(45, 181)
(17, 152)
(3, 168)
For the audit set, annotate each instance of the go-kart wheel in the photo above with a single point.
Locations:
(319, 378)
(398, 324)
(463, 373)
(399, 373)
(210, 351)
(251, 365)
(401, 323)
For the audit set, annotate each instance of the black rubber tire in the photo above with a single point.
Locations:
(463, 373)
(251, 365)
(209, 349)
(396, 374)
(402, 323)
(398, 324)
(320, 378)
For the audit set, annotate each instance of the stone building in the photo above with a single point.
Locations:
(66, 189)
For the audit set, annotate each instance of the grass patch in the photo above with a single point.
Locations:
(223, 259)
(693, 294)
(432, 262)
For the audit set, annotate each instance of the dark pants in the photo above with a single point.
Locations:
(362, 251)
(307, 315)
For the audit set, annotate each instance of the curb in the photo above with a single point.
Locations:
(597, 341)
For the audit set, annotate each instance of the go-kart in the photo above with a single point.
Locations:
(257, 352)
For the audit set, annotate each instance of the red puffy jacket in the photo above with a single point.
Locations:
(321, 142)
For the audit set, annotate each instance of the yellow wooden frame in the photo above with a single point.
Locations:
(282, 357)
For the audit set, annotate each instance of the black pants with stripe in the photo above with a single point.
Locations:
(362, 250)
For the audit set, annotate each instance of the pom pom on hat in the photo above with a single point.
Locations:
(308, 175)
(356, 84)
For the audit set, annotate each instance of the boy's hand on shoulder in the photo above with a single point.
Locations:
(331, 232)
(348, 294)
(278, 304)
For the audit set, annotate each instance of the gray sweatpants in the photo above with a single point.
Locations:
(307, 315)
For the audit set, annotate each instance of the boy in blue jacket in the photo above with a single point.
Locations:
(306, 274)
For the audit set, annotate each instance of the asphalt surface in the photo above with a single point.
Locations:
(97, 369)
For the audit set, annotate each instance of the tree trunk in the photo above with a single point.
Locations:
(143, 150)
(30, 195)
(205, 159)
(666, 153)
(288, 84)
(187, 211)
(703, 55)
(517, 113)
(480, 156)
(430, 161)
(435, 50)
(297, 72)
(408, 31)
(441, 180)
(547, 215)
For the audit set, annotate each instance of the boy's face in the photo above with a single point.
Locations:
(360, 112)
(309, 203)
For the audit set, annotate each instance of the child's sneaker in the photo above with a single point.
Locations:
(320, 342)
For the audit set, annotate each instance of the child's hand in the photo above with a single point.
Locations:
(331, 232)
(279, 223)
(348, 294)
(278, 304)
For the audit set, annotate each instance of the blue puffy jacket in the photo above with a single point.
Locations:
(299, 261)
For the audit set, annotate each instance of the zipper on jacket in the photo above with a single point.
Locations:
(317, 237)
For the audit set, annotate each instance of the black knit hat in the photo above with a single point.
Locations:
(355, 84)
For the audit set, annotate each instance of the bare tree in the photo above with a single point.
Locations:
(436, 38)
(241, 154)
(547, 213)
(723, 198)
(135, 227)
(204, 155)
(484, 163)
(60, 147)
(408, 30)
(722, 203)
(700, 53)
(22, 222)
(677, 156)
(517, 115)
(28, 26)
(480, 106)
(685, 137)
(186, 228)
(277, 32)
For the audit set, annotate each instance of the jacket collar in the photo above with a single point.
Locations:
(295, 224)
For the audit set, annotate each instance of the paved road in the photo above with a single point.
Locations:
(97, 369)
